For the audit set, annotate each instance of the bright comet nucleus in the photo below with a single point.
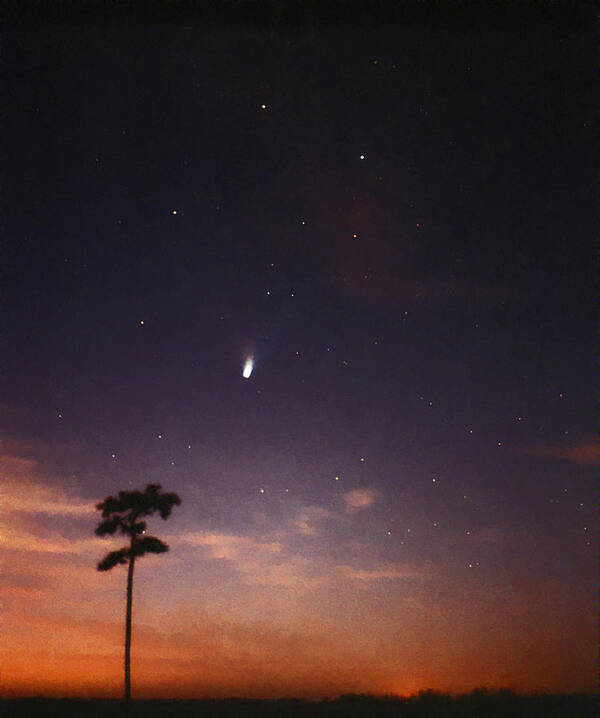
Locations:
(248, 367)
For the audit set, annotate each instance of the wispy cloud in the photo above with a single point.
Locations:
(258, 563)
(393, 571)
(359, 499)
(226, 546)
(295, 572)
(261, 563)
(51, 544)
(309, 518)
(584, 453)
(22, 491)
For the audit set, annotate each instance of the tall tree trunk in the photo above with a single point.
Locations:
(128, 623)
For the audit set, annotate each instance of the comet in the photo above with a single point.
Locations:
(248, 367)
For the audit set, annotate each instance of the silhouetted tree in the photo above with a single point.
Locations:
(122, 514)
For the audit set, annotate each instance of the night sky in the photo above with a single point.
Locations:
(395, 221)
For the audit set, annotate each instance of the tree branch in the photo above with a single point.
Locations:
(114, 558)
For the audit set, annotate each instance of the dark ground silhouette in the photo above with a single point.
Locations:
(428, 704)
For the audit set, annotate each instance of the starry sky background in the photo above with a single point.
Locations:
(396, 221)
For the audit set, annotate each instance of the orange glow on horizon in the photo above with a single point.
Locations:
(229, 614)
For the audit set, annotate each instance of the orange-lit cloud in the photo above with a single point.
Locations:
(228, 546)
(310, 518)
(585, 453)
(22, 489)
(377, 574)
(52, 544)
(359, 499)
(255, 562)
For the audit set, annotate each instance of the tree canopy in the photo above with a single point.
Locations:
(122, 513)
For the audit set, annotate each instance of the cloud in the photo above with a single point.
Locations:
(585, 453)
(309, 517)
(393, 571)
(226, 546)
(296, 572)
(258, 563)
(51, 544)
(21, 490)
(359, 499)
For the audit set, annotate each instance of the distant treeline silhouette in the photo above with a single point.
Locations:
(480, 703)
